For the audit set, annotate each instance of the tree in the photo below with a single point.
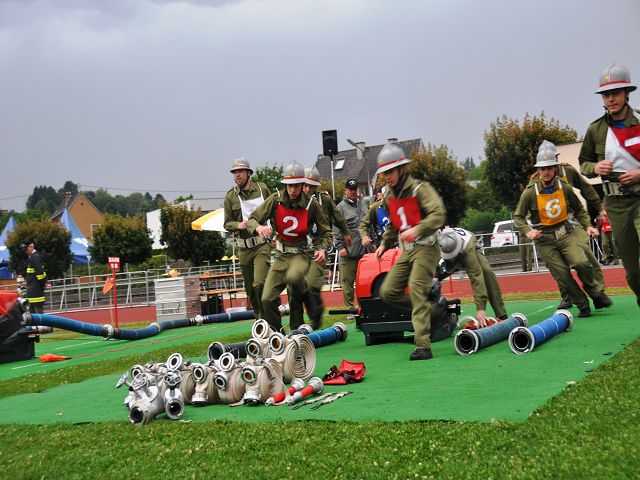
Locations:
(43, 198)
(184, 242)
(127, 237)
(438, 166)
(468, 164)
(68, 187)
(51, 239)
(511, 148)
(270, 176)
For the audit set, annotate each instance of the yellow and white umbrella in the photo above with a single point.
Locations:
(211, 222)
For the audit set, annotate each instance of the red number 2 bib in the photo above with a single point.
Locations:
(291, 224)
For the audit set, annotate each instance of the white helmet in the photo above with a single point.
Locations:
(241, 164)
(391, 156)
(615, 76)
(312, 176)
(293, 173)
(547, 155)
(450, 243)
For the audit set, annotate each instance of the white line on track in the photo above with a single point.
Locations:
(77, 344)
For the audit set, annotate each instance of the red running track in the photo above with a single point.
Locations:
(509, 283)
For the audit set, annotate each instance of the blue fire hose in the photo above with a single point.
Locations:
(335, 333)
(151, 330)
(470, 341)
(523, 340)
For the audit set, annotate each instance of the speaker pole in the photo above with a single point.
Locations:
(333, 185)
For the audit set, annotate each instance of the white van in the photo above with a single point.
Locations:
(504, 233)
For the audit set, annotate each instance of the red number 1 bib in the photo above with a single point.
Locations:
(404, 213)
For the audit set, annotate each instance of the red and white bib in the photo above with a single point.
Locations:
(292, 224)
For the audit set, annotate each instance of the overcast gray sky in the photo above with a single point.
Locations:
(162, 95)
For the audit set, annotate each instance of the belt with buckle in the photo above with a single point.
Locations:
(408, 246)
(250, 242)
(560, 232)
(616, 189)
(281, 247)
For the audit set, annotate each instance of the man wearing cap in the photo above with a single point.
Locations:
(611, 149)
(458, 248)
(548, 201)
(36, 278)
(571, 176)
(374, 223)
(293, 213)
(315, 277)
(254, 251)
(416, 213)
(353, 209)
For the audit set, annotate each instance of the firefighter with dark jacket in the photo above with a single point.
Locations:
(416, 214)
(293, 214)
(36, 278)
(611, 149)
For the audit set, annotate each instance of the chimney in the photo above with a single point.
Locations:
(67, 198)
(360, 146)
(392, 140)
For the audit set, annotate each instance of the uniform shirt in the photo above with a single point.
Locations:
(593, 145)
(233, 209)
(431, 207)
(267, 211)
(528, 205)
(36, 278)
(573, 178)
(370, 225)
(331, 213)
(353, 212)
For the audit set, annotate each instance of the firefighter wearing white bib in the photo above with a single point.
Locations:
(254, 251)
(548, 202)
(416, 213)
(611, 149)
(293, 214)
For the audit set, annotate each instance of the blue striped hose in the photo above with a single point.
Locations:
(328, 336)
(470, 341)
(151, 330)
(523, 340)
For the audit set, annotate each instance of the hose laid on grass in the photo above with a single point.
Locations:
(151, 330)
(523, 340)
(335, 333)
(470, 341)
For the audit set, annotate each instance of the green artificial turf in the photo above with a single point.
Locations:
(493, 384)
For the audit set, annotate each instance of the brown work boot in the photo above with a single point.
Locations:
(421, 354)
(602, 301)
(565, 304)
(584, 312)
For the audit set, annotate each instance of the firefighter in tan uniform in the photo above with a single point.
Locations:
(548, 202)
(254, 251)
(293, 213)
(458, 248)
(611, 149)
(571, 176)
(315, 277)
(416, 213)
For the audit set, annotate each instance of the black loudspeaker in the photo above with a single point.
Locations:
(330, 142)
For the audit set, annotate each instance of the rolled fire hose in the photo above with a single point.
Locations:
(187, 382)
(297, 355)
(297, 384)
(336, 333)
(216, 349)
(263, 381)
(470, 341)
(523, 340)
(315, 386)
(206, 391)
(231, 388)
(151, 330)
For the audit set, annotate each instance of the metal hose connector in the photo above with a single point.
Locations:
(226, 362)
(257, 348)
(231, 388)
(297, 384)
(341, 330)
(277, 343)
(304, 329)
(206, 391)
(175, 361)
(261, 329)
(315, 386)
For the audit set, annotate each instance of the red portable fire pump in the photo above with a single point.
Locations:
(382, 323)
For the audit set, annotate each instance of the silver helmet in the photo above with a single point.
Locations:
(450, 243)
(293, 173)
(240, 163)
(391, 156)
(312, 176)
(615, 76)
(547, 155)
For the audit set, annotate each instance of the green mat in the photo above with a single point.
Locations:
(493, 384)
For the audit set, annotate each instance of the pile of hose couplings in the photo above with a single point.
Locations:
(272, 361)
